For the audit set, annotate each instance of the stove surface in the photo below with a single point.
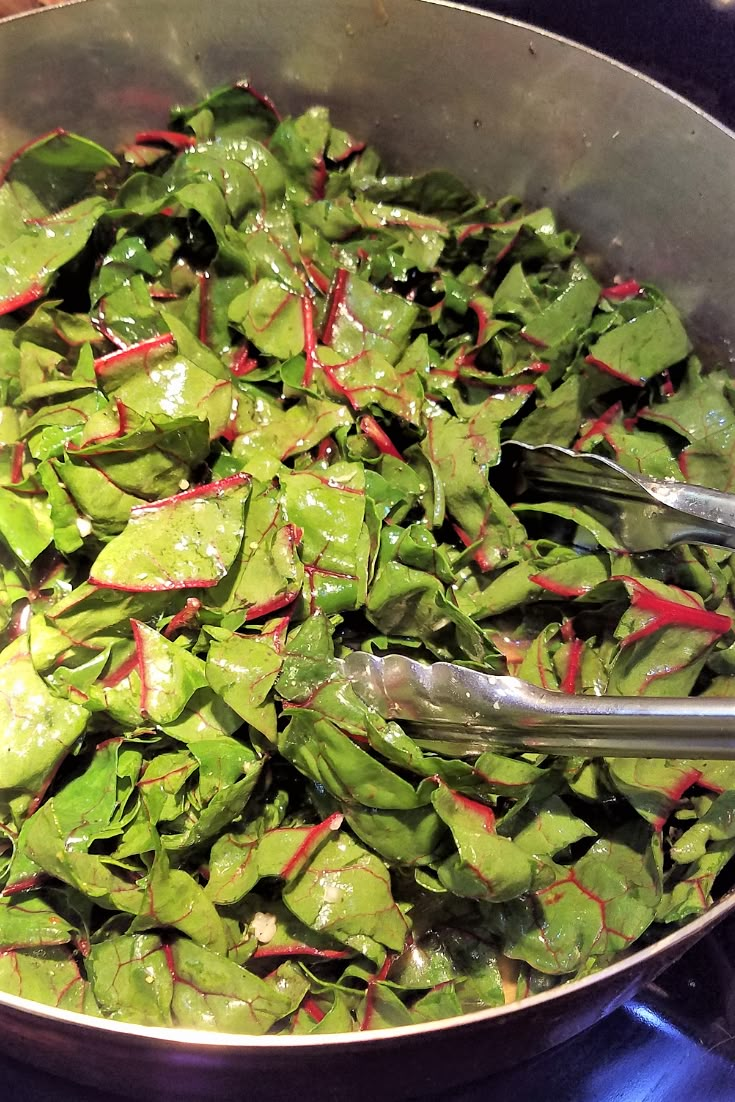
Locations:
(688, 45)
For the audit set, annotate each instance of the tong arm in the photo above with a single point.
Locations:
(457, 706)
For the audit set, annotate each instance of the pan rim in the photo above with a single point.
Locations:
(174, 1037)
(200, 1039)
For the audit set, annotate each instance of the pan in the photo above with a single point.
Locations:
(647, 178)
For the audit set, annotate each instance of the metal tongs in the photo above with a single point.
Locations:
(644, 514)
(455, 710)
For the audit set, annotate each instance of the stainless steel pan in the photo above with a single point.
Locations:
(647, 178)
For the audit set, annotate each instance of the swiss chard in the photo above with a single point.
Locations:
(254, 397)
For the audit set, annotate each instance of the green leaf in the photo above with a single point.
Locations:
(652, 787)
(410, 837)
(25, 524)
(243, 670)
(324, 754)
(32, 252)
(643, 346)
(330, 512)
(213, 993)
(231, 112)
(462, 455)
(186, 541)
(717, 824)
(557, 417)
(29, 922)
(270, 317)
(382, 1009)
(137, 978)
(690, 893)
(600, 905)
(224, 803)
(345, 892)
(163, 384)
(205, 717)
(365, 318)
(56, 168)
(657, 658)
(131, 979)
(173, 899)
(169, 675)
(138, 455)
(701, 412)
(267, 573)
(486, 866)
(549, 828)
(570, 312)
(37, 730)
(53, 979)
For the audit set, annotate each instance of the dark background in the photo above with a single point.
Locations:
(687, 44)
